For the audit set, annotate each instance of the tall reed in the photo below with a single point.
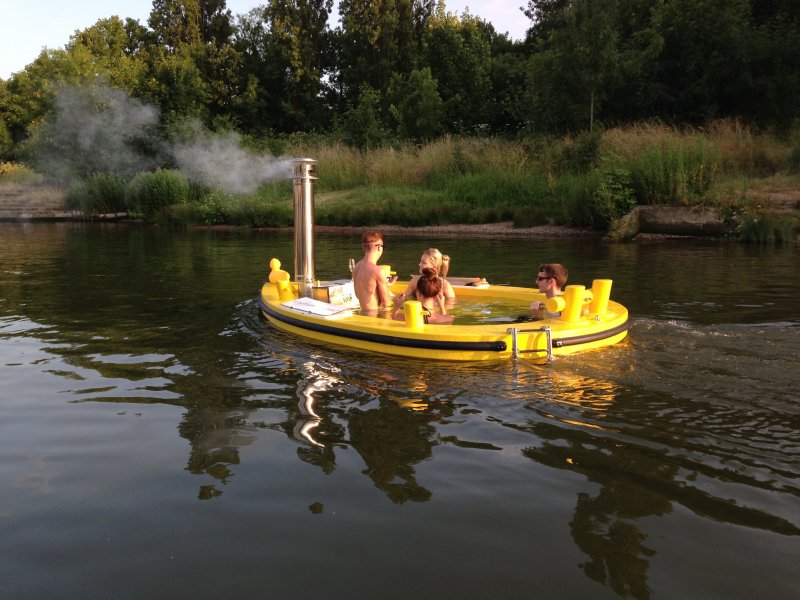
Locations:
(767, 228)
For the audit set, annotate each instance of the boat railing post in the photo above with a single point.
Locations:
(548, 333)
(514, 348)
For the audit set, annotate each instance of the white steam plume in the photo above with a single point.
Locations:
(219, 160)
(99, 129)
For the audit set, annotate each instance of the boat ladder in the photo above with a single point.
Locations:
(515, 346)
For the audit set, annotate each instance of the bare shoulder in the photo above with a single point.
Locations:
(375, 271)
(412, 285)
(366, 269)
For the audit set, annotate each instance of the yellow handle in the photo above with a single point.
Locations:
(412, 309)
(555, 304)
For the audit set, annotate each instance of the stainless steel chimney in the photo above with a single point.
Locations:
(304, 173)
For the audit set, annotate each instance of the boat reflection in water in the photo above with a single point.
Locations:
(307, 389)
(389, 436)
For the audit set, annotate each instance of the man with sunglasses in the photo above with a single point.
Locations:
(550, 280)
(369, 281)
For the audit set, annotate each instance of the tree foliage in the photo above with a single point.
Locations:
(415, 105)
(410, 68)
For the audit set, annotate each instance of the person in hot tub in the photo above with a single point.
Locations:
(369, 281)
(551, 279)
(429, 292)
(440, 263)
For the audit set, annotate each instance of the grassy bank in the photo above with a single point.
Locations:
(583, 180)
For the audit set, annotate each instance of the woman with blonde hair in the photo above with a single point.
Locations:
(440, 264)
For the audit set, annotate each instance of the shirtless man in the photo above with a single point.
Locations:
(369, 280)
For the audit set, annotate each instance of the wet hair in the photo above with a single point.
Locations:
(370, 237)
(438, 260)
(556, 271)
(429, 283)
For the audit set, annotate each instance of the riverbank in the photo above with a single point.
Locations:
(27, 203)
(505, 229)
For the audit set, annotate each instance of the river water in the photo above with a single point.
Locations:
(158, 439)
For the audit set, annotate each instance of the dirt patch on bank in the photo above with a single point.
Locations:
(779, 200)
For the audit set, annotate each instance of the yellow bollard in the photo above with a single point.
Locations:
(285, 291)
(601, 291)
(573, 298)
(555, 304)
(412, 309)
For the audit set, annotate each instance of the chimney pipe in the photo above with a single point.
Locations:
(304, 173)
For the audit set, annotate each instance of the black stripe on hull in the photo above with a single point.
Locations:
(591, 337)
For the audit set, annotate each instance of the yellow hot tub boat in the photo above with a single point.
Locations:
(588, 318)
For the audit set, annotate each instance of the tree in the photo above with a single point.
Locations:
(286, 52)
(176, 85)
(362, 125)
(31, 93)
(5, 133)
(774, 64)
(458, 55)
(416, 106)
(636, 94)
(703, 68)
(114, 50)
(299, 44)
(198, 32)
(509, 108)
(93, 129)
(377, 39)
(177, 23)
(576, 58)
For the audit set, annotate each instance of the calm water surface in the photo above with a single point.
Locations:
(159, 440)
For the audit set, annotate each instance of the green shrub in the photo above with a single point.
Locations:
(99, 193)
(765, 228)
(254, 213)
(673, 173)
(213, 208)
(569, 198)
(276, 191)
(612, 198)
(581, 153)
(491, 188)
(151, 193)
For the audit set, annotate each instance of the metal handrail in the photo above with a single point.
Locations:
(548, 332)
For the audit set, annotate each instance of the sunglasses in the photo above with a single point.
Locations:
(541, 278)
